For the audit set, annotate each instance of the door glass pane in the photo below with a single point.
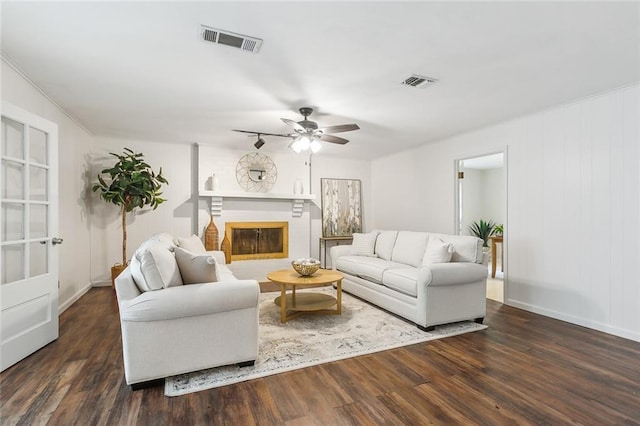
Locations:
(38, 183)
(37, 221)
(12, 139)
(37, 259)
(12, 221)
(12, 180)
(12, 261)
(37, 146)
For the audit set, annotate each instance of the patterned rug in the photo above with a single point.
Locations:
(315, 339)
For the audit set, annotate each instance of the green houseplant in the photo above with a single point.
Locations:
(499, 229)
(129, 184)
(483, 230)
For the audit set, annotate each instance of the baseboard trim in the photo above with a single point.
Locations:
(583, 322)
(63, 307)
(101, 284)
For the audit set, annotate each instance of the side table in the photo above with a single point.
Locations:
(322, 244)
(494, 250)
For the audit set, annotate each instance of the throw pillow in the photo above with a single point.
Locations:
(196, 268)
(158, 267)
(363, 244)
(192, 244)
(437, 252)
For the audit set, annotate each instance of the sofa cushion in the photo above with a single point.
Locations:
(192, 244)
(467, 248)
(136, 273)
(410, 247)
(195, 268)
(369, 268)
(384, 244)
(402, 279)
(158, 268)
(363, 244)
(437, 251)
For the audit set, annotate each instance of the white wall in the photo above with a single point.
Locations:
(74, 145)
(493, 195)
(290, 167)
(304, 232)
(573, 215)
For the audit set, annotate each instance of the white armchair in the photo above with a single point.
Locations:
(185, 328)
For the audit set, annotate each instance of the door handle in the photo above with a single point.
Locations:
(56, 240)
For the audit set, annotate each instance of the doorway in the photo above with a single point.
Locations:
(481, 195)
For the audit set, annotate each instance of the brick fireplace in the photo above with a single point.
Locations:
(258, 240)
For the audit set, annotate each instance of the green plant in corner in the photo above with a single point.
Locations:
(499, 229)
(130, 184)
(483, 230)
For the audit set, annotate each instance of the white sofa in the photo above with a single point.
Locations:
(169, 327)
(427, 278)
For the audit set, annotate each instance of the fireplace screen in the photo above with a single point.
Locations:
(258, 240)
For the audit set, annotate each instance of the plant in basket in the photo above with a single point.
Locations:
(129, 184)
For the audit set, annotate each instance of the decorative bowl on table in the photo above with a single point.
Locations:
(306, 266)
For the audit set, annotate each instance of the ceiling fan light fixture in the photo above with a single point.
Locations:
(304, 142)
(315, 146)
(295, 146)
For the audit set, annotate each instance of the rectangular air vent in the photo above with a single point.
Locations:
(418, 81)
(227, 38)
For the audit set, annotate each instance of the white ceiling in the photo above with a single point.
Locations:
(139, 70)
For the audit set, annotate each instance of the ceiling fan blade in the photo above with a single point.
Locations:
(340, 128)
(282, 135)
(333, 139)
(293, 124)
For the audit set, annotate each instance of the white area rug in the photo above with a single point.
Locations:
(315, 339)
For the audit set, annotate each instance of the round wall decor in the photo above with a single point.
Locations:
(256, 172)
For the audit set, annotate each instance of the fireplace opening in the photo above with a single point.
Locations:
(258, 240)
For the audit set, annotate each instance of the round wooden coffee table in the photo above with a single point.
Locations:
(307, 302)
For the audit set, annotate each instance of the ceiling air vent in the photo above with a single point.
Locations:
(227, 38)
(418, 81)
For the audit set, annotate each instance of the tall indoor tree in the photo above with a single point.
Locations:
(130, 184)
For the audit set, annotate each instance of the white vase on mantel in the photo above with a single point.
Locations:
(215, 182)
(298, 189)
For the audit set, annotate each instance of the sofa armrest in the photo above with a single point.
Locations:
(126, 288)
(218, 256)
(336, 251)
(454, 273)
(192, 300)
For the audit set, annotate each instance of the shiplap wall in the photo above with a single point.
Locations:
(573, 215)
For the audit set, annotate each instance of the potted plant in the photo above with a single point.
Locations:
(499, 230)
(483, 230)
(129, 184)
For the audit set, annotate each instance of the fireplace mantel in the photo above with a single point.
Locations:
(216, 198)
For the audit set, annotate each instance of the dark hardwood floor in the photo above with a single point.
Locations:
(524, 369)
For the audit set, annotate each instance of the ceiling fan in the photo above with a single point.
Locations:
(306, 133)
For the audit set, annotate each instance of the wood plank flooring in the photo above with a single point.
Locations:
(524, 369)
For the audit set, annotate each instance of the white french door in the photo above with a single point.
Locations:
(29, 220)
